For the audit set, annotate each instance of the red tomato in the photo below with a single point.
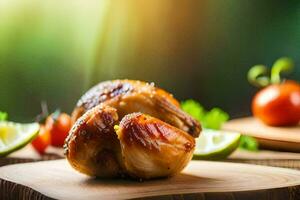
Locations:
(278, 104)
(58, 127)
(42, 141)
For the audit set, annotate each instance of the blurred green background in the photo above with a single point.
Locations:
(56, 50)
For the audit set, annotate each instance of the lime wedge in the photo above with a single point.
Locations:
(215, 144)
(14, 136)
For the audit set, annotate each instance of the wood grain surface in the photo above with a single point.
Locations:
(266, 157)
(276, 138)
(200, 180)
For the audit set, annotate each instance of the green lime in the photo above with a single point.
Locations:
(14, 136)
(215, 144)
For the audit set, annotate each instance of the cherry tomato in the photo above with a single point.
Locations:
(278, 104)
(42, 141)
(58, 126)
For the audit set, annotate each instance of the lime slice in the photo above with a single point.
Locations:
(14, 136)
(215, 144)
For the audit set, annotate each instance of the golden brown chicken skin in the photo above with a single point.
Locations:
(129, 96)
(92, 146)
(152, 148)
(152, 137)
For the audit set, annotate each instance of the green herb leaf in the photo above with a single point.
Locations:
(248, 143)
(3, 116)
(212, 119)
(193, 108)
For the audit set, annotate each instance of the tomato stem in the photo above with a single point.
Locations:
(257, 76)
(55, 115)
(282, 65)
(41, 118)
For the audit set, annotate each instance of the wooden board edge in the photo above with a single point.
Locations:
(278, 145)
(14, 191)
(278, 137)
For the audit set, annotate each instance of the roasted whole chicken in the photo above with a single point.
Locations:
(130, 128)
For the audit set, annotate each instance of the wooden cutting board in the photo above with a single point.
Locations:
(276, 138)
(200, 180)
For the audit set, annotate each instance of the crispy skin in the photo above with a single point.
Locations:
(129, 96)
(144, 147)
(152, 148)
(155, 137)
(92, 146)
